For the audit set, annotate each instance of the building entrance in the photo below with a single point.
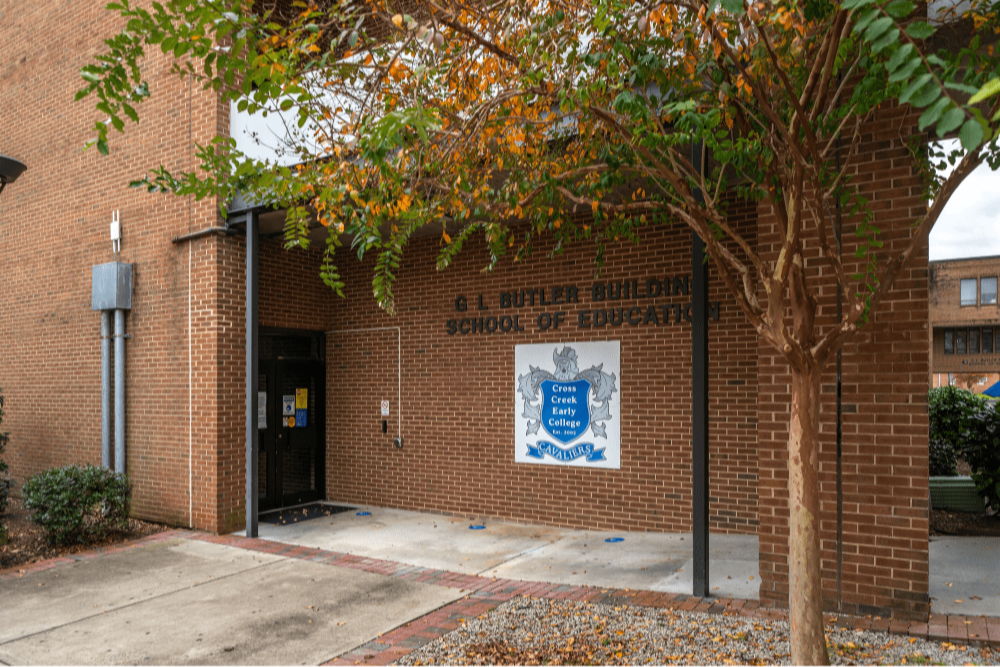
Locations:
(292, 435)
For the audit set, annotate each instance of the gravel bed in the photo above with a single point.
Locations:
(531, 631)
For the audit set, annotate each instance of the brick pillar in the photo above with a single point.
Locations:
(885, 370)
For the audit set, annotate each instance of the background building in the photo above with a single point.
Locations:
(965, 323)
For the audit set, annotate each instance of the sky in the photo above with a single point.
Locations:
(969, 226)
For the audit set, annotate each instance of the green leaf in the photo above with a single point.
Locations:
(989, 89)
(900, 8)
(950, 121)
(130, 112)
(866, 17)
(920, 30)
(971, 90)
(102, 146)
(915, 86)
(899, 57)
(854, 4)
(971, 135)
(930, 93)
(877, 28)
(733, 6)
(933, 113)
(906, 71)
(883, 42)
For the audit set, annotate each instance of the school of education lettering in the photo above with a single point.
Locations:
(656, 314)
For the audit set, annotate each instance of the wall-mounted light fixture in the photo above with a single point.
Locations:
(10, 169)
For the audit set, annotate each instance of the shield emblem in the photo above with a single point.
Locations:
(565, 409)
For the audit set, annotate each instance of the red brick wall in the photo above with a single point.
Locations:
(457, 410)
(54, 225)
(885, 525)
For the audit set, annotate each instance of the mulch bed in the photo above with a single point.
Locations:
(26, 541)
(954, 522)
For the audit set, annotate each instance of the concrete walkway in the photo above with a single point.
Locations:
(649, 561)
(184, 601)
(965, 575)
(368, 589)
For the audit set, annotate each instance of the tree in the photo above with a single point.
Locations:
(575, 120)
(970, 379)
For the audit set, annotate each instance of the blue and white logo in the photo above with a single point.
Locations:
(565, 409)
(567, 405)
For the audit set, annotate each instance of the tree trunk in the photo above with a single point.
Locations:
(805, 595)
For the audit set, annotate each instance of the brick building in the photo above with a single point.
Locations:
(444, 366)
(965, 323)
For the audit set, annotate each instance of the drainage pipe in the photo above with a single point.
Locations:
(119, 390)
(106, 389)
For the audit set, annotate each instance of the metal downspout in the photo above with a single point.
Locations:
(106, 389)
(119, 390)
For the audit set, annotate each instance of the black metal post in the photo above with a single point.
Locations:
(251, 368)
(699, 401)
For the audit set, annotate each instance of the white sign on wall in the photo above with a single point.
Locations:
(567, 404)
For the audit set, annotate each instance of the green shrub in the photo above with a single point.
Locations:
(5, 481)
(950, 412)
(943, 460)
(966, 424)
(982, 451)
(78, 504)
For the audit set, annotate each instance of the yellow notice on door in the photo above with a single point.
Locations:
(301, 399)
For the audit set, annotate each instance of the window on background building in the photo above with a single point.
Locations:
(960, 340)
(973, 341)
(968, 291)
(987, 291)
(949, 341)
(987, 341)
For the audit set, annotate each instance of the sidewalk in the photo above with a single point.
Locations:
(182, 597)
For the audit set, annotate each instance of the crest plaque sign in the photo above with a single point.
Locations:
(566, 404)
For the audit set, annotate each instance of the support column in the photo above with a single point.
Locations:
(251, 372)
(120, 390)
(699, 415)
(106, 333)
(699, 399)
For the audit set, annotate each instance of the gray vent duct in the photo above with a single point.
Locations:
(111, 291)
